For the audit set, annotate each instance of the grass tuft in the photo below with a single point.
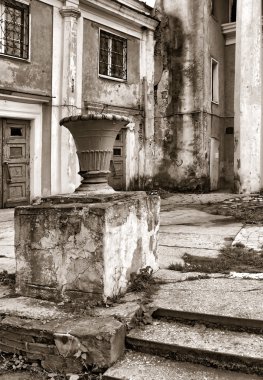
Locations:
(237, 259)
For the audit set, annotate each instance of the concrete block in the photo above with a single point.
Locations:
(70, 247)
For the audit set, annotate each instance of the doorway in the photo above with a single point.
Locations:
(117, 174)
(15, 162)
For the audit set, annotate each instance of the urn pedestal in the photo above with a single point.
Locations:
(85, 245)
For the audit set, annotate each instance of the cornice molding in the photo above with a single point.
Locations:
(229, 31)
(70, 12)
(122, 11)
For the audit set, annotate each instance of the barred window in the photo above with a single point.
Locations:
(113, 56)
(14, 28)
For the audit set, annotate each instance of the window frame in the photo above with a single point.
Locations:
(6, 55)
(214, 81)
(124, 56)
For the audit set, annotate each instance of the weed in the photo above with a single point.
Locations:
(142, 281)
(238, 259)
(177, 267)
(7, 278)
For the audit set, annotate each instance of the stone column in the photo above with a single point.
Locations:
(248, 97)
(69, 164)
(146, 155)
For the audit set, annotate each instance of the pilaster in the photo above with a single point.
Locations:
(248, 97)
(69, 93)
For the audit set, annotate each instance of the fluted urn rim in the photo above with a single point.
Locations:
(95, 116)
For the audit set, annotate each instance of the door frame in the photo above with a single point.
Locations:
(33, 112)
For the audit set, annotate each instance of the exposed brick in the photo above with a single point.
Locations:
(39, 348)
(16, 336)
(29, 327)
(35, 348)
(8, 349)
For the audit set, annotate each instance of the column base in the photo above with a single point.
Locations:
(94, 188)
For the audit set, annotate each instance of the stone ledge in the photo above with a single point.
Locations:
(39, 330)
(101, 338)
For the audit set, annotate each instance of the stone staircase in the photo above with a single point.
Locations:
(193, 344)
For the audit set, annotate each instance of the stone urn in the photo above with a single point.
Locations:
(94, 135)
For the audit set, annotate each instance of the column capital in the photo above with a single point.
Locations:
(68, 11)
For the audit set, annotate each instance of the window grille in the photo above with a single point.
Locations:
(14, 28)
(113, 56)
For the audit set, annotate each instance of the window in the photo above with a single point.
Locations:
(232, 10)
(213, 7)
(214, 81)
(113, 56)
(14, 29)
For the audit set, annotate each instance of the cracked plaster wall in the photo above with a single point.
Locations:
(185, 119)
(85, 250)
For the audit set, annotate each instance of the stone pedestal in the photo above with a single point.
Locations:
(71, 246)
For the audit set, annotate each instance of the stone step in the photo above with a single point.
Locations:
(139, 366)
(238, 307)
(239, 351)
(230, 323)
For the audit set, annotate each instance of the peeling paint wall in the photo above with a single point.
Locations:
(180, 123)
(34, 76)
(108, 91)
(186, 121)
(214, 49)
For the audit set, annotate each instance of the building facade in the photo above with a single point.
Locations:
(62, 58)
(208, 91)
(187, 73)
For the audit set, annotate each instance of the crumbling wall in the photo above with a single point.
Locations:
(35, 75)
(180, 124)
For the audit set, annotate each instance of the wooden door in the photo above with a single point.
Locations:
(117, 175)
(15, 162)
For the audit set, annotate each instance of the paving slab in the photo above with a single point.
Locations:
(250, 237)
(227, 297)
(189, 231)
(139, 366)
(174, 255)
(192, 240)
